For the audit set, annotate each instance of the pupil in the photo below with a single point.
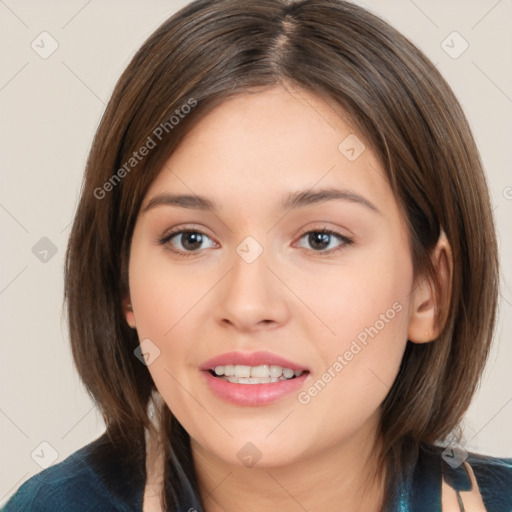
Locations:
(319, 238)
(195, 237)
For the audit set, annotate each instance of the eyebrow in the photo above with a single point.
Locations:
(292, 201)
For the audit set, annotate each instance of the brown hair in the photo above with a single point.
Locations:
(210, 50)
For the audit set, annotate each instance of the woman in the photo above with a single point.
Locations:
(282, 275)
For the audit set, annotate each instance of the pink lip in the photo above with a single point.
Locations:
(251, 359)
(252, 394)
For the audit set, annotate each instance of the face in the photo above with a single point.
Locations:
(276, 272)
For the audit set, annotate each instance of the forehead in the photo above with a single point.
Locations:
(256, 147)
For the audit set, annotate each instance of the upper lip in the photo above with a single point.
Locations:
(251, 359)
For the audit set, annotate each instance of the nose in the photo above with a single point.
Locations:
(252, 296)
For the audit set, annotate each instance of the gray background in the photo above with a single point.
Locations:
(50, 110)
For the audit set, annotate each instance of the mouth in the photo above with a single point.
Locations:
(253, 378)
(262, 374)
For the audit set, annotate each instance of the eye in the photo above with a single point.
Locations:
(190, 240)
(321, 239)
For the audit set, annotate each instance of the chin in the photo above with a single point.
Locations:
(255, 451)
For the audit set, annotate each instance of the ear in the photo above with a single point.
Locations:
(423, 326)
(128, 312)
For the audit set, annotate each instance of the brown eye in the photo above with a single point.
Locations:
(320, 240)
(185, 242)
(190, 240)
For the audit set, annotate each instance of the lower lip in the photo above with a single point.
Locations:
(253, 394)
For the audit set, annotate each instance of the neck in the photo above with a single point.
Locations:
(344, 477)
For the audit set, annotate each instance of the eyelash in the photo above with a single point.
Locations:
(169, 236)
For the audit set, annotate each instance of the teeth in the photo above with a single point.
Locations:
(242, 371)
(288, 373)
(275, 371)
(251, 380)
(264, 373)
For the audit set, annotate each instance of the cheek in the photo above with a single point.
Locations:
(369, 314)
(364, 310)
(365, 299)
(166, 302)
(162, 294)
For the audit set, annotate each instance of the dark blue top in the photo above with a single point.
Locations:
(93, 479)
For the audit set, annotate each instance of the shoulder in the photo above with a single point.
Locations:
(494, 478)
(76, 480)
(436, 466)
(492, 475)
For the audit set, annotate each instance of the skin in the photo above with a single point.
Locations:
(247, 154)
